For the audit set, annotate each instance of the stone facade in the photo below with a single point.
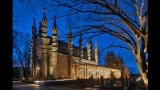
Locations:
(54, 58)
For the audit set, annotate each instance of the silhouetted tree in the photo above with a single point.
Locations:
(127, 20)
(21, 50)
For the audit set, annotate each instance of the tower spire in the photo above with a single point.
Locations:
(34, 22)
(80, 40)
(44, 19)
(89, 40)
(34, 30)
(39, 31)
(55, 22)
(70, 34)
(55, 27)
(96, 46)
(44, 15)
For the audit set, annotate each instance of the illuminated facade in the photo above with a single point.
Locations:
(51, 57)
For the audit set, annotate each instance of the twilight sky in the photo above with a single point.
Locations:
(23, 20)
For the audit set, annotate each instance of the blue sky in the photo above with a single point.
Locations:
(23, 20)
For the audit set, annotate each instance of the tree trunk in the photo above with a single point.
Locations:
(139, 61)
(143, 74)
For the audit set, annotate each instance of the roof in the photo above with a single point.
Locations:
(63, 48)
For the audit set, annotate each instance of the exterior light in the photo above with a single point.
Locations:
(23, 78)
(37, 72)
(138, 79)
(38, 68)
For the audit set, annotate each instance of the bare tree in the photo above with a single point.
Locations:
(21, 50)
(126, 20)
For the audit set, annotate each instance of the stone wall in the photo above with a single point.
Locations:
(62, 66)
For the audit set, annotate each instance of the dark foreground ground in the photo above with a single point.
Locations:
(18, 85)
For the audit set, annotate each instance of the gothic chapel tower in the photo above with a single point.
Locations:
(54, 51)
(81, 46)
(44, 44)
(32, 52)
(89, 49)
(70, 53)
(96, 53)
